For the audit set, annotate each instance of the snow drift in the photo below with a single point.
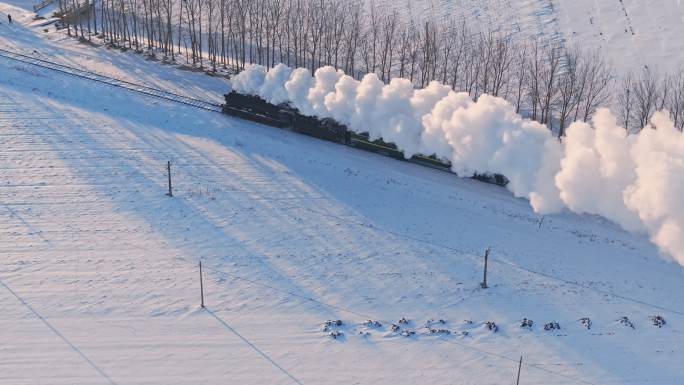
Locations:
(636, 181)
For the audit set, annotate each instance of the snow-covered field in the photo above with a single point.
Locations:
(631, 33)
(98, 268)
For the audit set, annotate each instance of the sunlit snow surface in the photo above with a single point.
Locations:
(98, 268)
(631, 33)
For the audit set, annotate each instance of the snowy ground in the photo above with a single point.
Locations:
(631, 33)
(122, 65)
(98, 268)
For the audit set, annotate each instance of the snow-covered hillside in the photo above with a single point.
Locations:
(631, 33)
(98, 268)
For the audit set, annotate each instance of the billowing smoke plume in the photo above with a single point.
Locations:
(636, 181)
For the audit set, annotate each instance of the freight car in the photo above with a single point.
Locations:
(284, 116)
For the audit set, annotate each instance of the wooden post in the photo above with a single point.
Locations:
(519, 367)
(201, 284)
(486, 258)
(168, 169)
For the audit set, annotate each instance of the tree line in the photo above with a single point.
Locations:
(544, 80)
(643, 93)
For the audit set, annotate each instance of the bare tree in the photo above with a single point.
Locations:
(521, 73)
(458, 38)
(535, 67)
(568, 90)
(428, 53)
(598, 76)
(626, 100)
(544, 81)
(645, 97)
(500, 64)
(389, 27)
(352, 39)
(549, 76)
(676, 100)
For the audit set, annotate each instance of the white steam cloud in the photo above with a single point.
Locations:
(636, 181)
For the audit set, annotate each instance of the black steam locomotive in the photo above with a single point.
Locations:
(286, 117)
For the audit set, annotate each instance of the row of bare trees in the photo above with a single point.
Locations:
(546, 81)
(79, 15)
(642, 94)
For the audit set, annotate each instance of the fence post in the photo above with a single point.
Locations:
(168, 169)
(486, 258)
(519, 367)
(201, 285)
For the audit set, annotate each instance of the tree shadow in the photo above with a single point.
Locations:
(286, 216)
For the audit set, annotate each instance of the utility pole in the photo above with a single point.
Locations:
(168, 169)
(486, 258)
(519, 367)
(201, 284)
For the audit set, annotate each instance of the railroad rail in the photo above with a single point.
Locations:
(307, 125)
(114, 82)
(42, 5)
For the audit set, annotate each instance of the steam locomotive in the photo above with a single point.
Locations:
(283, 116)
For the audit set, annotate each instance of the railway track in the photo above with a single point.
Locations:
(111, 81)
(357, 141)
(42, 4)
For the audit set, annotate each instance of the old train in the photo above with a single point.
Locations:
(286, 117)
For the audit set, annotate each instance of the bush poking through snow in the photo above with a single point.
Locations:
(552, 326)
(586, 322)
(372, 324)
(401, 331)
(336, 334)
(431, 322)
(492, 326)
(440, 331)
(403, 321)
(658, 320)
(331, 323)
(625, 321)
(526, 324)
